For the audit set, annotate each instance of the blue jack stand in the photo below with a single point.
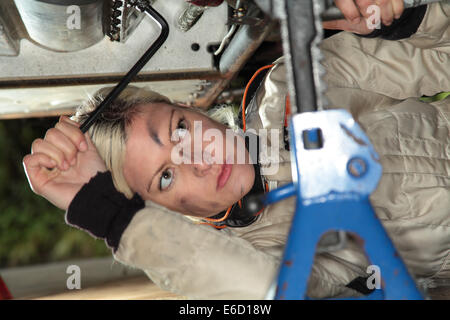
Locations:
(334, 166)
(335, 169)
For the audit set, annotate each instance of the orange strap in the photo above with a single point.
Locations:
(244, 98)
(220, 219)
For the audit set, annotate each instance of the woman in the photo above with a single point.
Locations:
(121, 183)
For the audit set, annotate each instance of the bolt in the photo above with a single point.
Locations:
(195, 47)
(357, 167)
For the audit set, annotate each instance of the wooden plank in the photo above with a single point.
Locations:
(138, 288)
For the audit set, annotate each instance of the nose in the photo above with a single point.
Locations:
(201, 169)
(200, 160)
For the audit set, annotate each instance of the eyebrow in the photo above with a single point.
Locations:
(158, 141)
(155, 138)
(153, 134)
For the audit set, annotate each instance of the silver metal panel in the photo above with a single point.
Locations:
(52, 101)
(8, 45)
(63, 27)
(48, 71)
(108, 58)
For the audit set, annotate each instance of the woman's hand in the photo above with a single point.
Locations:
(360, 16)
(61, 163)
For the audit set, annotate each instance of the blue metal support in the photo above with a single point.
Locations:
(334, 166)
(332, 182)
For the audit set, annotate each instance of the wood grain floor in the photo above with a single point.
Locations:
(139, 288)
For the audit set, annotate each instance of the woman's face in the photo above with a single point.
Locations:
(181, 159)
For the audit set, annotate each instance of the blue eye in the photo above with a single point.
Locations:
(166, 179)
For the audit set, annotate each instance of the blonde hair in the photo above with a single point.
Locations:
(226, 114)
(108, 132)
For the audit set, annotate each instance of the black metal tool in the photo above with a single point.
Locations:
(142, 6)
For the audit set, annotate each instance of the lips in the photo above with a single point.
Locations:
(224, 175)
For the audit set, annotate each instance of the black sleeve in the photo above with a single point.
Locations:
(101, 210)
(403, 27)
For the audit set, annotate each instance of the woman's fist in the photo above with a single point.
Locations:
(61, 163)
(362, 16)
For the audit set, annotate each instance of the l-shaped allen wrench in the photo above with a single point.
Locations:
(142, 6)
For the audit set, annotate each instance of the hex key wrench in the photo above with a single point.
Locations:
(152, 13)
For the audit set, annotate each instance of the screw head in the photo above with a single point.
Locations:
(357, 167)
